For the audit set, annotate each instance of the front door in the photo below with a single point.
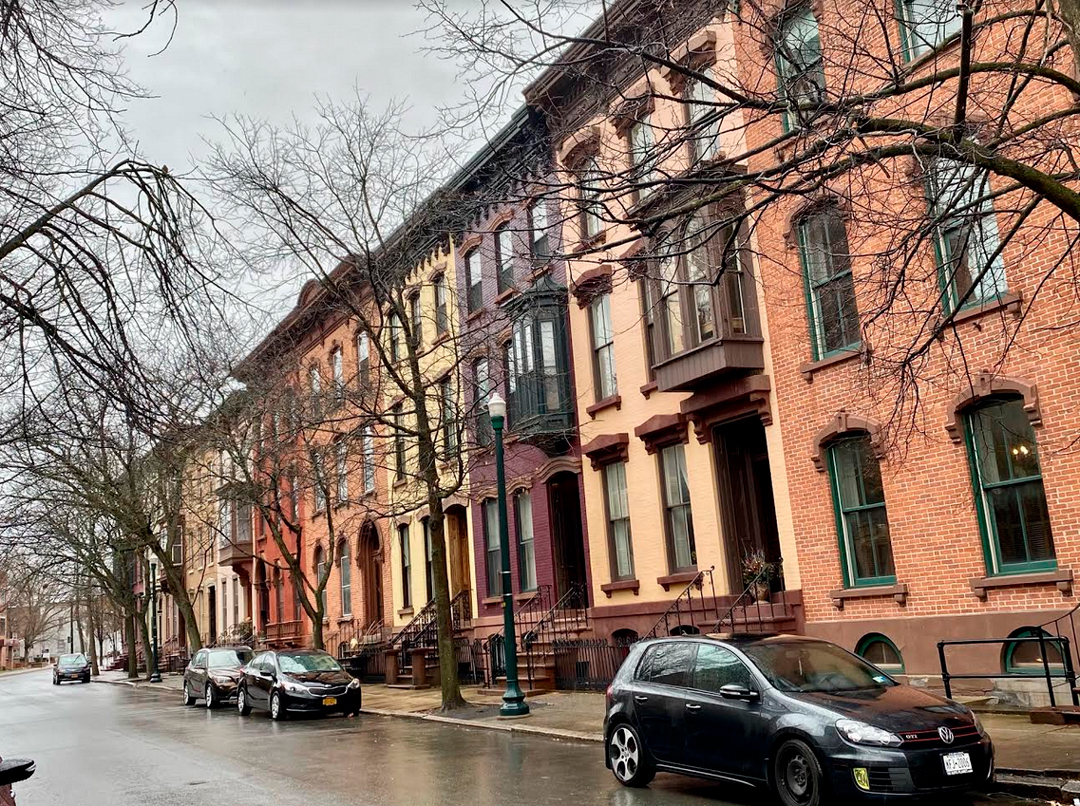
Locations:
(747, 508)
(211, 603)
(569, 544)
(371, 572)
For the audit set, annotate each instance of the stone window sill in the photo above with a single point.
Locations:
(441, 338)
(1008, 302)
(593, 241)
(505, 295)
(1062, 578)
(345, 620)
(679, 578)
(405, 611)
(810, 367)
(400, 483)
(606, 403)
(474, 316)
(648, 389)
(524, 596)
(621, 585)
(491, 600)
(899, 592)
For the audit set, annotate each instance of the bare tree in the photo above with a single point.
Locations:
(37, 603)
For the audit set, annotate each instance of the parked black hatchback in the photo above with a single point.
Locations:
(71, 667)
(297, 680)
(804, 717)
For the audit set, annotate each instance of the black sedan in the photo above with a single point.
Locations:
(803, 717)
(214, 674)
(71, 667)
(295, 681)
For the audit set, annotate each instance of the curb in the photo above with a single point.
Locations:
(1054, 785)
(509, 727)
(141, 685)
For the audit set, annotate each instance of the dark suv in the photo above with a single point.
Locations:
(801, 716)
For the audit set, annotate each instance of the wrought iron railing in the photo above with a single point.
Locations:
(689, 609)
(754, 610)
(423, 631)
(589, 664)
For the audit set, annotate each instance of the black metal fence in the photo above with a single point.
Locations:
(589, 664)
(1050, 671)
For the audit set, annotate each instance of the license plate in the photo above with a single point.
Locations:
(957, 763)
(328, 701)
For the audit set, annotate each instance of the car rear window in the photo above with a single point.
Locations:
(670, 663)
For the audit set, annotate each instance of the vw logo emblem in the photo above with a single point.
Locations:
(945, 734)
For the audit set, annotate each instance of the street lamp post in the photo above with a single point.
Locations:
(514, 704)
(155, 675)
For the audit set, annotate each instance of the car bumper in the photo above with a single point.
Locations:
(226, 690)
(350, 701)
(80, 675)
(899, 774)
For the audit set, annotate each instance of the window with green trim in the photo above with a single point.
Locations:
(861, 519)
(801, 78)
(1026, 657)
(925, 24)
(970, 268)
(1009, 490)
(880, 651)
(830, 290)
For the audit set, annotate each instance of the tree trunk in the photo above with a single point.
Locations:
(448, 664)
(144, 624)
(1070, 14)
(175, 578)
(129, 639)
(78, 624)
(95, 669)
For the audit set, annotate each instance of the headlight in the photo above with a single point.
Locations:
(978, 723)
(861, 733)
(294, 688)
(222, 680)
(354, 684)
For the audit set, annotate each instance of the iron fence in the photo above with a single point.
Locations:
(589, 664)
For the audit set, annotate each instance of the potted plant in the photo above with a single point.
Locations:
(757, 574)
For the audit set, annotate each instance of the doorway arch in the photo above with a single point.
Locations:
(369, 560)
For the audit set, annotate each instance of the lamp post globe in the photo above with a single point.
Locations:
(514, 704)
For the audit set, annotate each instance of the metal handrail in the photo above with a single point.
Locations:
(685, 602)
(746, 598)
(1068, 673)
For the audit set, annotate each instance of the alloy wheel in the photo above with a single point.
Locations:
(241, 700)
(275, 706)
(625, 754)
(210, 695)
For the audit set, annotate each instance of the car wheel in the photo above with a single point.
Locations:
(797, 774)
(242, 704)
(629, 760)
(211, 696)
(55, 681)
(277, 707)
(189, 698)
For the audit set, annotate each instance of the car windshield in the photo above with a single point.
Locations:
(307, 662)
(812, 666)
(229, 658)
(72, 660)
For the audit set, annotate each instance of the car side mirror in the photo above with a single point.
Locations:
(733, 691)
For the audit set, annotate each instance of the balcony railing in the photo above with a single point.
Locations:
(283, 631)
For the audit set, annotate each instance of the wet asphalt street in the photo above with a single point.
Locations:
(115, 746)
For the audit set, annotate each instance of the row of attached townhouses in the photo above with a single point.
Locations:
(665, 437)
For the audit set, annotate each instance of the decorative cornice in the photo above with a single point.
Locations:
(845, 423)
(745, 396)
(560, 464)
(985, 386)
(662, 430)
(591, 284)
(607, 449)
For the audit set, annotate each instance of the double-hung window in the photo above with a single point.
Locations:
(830, 290)
(474, 278)
(442, 306)
(490, 509)
(314, 383)
(670, 310)
(504, 258)
(483, 386)
(969, 260)
(345, 576)
(341, 471)
(540, 247)
(395, 337)
(399, 441)
(861, 519)
(700, 275)
(704, 118)
(448, 419)
(526, 546)
(368, 447)
(1008, 483)
(406, 565)
(925, 24)
(618, 515)
(589, 199)
(642, 159)
(603, 347)
(320, 577)
(318, 479)
(363, 359)
(678, 517)
(799, 65)
(338, 371)
(416, 321)
(429, 562)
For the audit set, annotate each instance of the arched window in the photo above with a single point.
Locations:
(861, 519)
(1009, 489)
(345, 574)
(1026, 657)
(880, 651)
(320, 573)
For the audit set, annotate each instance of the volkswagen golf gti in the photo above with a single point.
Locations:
(803, 717)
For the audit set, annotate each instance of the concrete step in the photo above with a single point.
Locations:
(1049, 786)
(1059, 715)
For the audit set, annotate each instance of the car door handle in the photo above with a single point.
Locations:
(691, 707)
(640, 698)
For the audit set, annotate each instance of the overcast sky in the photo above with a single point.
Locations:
(269, 58)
